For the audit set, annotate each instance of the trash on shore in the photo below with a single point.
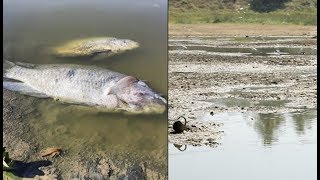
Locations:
(51, 152)
(178, 127)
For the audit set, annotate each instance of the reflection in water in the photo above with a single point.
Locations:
(267, 126)
(179, 147)
(303, 120)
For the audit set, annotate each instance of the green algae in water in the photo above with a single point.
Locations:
(230, 102)
(273, 103)
(241, 102)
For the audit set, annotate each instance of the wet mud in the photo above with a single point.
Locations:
(210, 75)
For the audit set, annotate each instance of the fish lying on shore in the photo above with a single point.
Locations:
(108, 46)
(88, 85)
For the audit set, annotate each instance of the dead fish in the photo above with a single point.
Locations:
(107, 46)
(85, 85)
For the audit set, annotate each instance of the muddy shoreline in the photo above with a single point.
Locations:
(24, 147)
(204, 82)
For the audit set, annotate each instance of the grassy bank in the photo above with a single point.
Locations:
(216, 11)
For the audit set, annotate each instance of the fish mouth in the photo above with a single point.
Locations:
(132, 45)
(156, 106)
(125, 45)
(150, 109)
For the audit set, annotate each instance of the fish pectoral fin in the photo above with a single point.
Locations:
(23, 89)
(101, 55)
(102, 52)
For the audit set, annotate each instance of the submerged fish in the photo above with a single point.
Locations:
(107, 46)
(88, 85)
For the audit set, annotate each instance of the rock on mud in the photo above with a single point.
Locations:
(198, 134)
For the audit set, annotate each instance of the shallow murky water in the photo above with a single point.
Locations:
(32, 27)
(255, 146)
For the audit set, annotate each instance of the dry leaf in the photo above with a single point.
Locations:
(51, 152)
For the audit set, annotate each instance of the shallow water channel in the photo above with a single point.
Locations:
(31, 28)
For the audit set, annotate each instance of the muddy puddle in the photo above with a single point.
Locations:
(250, 51)
(104, 144)
(254, 146)
(239, 102)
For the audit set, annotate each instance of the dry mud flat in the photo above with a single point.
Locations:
(260, 74)
(21, 143)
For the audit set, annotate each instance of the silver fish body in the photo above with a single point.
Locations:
(89, 85)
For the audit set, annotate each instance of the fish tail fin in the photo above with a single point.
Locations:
(7, 65)
(23, 89)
